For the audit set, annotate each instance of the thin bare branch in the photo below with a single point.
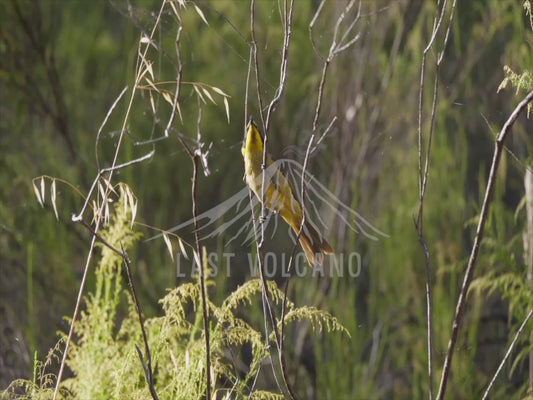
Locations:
(76, 311)
(312, 25)
(177, 91)
(256, 62)
(150, 377)
(293, 253)
(507, 354)
(423, 173)
(436, 26)
(201, 255)
(326, 131)
(109, 112)
(247, 91)
(287, 25)
(267, 299)
(335, 49)
(79, 217)
(469, 274)
(196, 156)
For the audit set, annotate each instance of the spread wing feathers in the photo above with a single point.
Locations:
(237, 210)
(316, 194)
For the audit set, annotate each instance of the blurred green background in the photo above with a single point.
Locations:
(62, 65)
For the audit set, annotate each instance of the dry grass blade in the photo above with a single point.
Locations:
(226, 106)
(109, 186)
(37, 193)
(130, 202)
(96, 212)
(183, 249)
(208, 95)
(101, 189)
(200, 13)
(174, 10)
(169, 245)
(199, 93)
(168, 98)
(152, 102)
(178, 107)
(107, 213)
(133, 210)
(42, 188)
(53, 197)
(219, 91)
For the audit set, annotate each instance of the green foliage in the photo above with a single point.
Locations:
(104, 360)
(511, 285)
(503, 278)
(318, 319)
(369, 161)
(522, 82)
(527, 8)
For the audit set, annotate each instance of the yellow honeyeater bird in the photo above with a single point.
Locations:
(279, 195)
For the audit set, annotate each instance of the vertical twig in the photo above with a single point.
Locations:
(293, 253)
(76, 310)
(335, 48)
(253, 55)
(109, 112)
(423, 173)
(507, 354)
(265, 294)
(205, 309)
(528, 250)
(149, 369)
(256, 62)
(287, 34)
(195, 158)
(469, 274)
(267, 304)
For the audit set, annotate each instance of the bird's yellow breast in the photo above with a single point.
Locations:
(278, 193)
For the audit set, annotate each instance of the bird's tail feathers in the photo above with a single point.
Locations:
(313, 244)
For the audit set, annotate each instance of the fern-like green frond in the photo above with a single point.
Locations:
(264, 395)
(318, 319)
(522, 82)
